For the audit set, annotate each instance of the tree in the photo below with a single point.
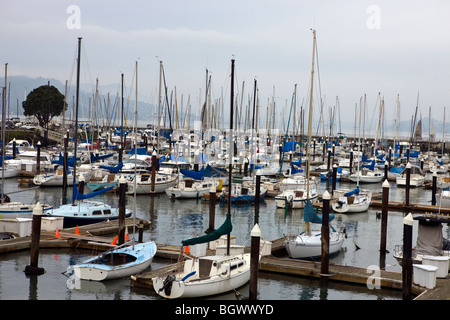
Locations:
(44, 103)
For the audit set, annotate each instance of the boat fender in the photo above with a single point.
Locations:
(290, 198)
(167, 285)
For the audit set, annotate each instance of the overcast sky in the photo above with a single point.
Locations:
(364, 47)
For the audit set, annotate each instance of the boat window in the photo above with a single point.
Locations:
(107, 211)
(96, 213)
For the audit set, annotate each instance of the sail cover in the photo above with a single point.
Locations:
(350, 193)
(225, 228)
(113, 169)
(78, 196)
(310, 214)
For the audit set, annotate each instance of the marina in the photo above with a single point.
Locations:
(238, 196)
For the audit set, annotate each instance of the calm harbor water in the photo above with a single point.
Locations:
(173, 221)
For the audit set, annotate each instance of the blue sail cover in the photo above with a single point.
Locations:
(397, 169)
(140, 151)
(289, 146)
(115, 169)
(295, 169)
(196, 175)
(369, 166)
(97, 158)
(350, 193)
(214, 172)
(78, 196)
(310, 215)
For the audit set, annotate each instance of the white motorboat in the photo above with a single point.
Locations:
(191, 189)
(417, 177)
(56, 179)
(367, 176)
(27, 161)
(120, 262)
(143, 183)
(12, 210)
(296, 199)
(351, 201)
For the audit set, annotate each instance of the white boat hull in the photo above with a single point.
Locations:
(101, 270)
(309, 247)
(413, 182)
(226, 279)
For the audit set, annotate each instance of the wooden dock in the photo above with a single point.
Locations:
(90, 237)
(401, 206)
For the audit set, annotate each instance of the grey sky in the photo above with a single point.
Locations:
(364, 47)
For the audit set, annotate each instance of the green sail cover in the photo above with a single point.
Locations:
(310, 215)
(225, 228)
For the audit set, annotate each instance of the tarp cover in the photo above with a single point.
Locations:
(429, 239)
(225, 228)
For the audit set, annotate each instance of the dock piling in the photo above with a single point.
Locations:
(325, 235)
(254, 261)
(35, 238)
(407, 257)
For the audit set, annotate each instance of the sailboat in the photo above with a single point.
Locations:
(208, 275)
(307, 244)
(123, 261)
(84, 212)
(205, 275)
(351, 201)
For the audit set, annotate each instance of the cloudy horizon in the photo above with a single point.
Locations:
(364, 48)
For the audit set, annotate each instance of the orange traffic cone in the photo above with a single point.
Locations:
(57, 233)
(127, 238)
(186, 249)
(114, 241)
(77, 231)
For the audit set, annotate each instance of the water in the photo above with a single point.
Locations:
(173, 221)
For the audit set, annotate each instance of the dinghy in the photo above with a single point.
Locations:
(120, 262)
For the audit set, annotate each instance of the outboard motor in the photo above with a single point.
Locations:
(167, 285)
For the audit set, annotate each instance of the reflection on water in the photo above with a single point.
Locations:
(175, 220)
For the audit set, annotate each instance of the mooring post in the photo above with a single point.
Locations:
(408, 182)
(35, 238)
(122, 188)
(152, 188)
(257, 195)
(212, 209)
(120, 153)
(384, 217)
(254, 261)
(141, 231)
(385, 171)
(334, 178)
(14, 148)
(390, 157)
(325, 236)
(407, 257)
(329, 159)
(434, 189)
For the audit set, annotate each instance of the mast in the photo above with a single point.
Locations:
(230, 155)
(76, 118)
(308, 147)
(3, 130)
